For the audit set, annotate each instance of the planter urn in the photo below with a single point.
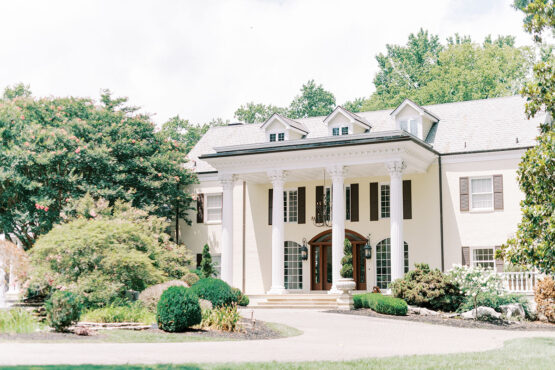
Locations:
(345, 299)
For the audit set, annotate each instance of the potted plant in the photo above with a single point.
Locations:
(346, 284)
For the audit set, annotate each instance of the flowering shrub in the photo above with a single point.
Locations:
(63, 309)
(474, 281)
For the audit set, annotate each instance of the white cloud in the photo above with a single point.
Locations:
(203, 59)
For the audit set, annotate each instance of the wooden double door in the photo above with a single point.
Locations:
(321, 260)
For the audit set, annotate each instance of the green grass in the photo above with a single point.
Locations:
(531, 353)
(16, 321)
(134, 312)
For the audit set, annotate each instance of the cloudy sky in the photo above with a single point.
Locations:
(202, 59)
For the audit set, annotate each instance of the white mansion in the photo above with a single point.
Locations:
(434, 184)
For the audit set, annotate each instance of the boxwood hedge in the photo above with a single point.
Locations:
(381, 303)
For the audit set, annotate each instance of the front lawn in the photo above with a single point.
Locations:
(530, 353)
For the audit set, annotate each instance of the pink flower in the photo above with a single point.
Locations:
(37, 206)
(133, 141)
(77, 150)
(22, 116)
(159, 175)
(26, 143)
(45, 209)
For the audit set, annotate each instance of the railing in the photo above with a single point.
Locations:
(520, 282)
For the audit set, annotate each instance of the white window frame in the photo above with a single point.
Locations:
(414, 126)
(217, 263)
(380, 199)
(287, 206)
(274, 134)
(291, 268)
(333, 129)
(207, 220)
(474, 262)
(281, 136)
(471, 194)
(343, 128)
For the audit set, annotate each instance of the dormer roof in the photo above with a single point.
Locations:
(352, 116)
(432, 117)
(288, 122)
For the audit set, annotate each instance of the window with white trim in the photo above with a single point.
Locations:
(481, 193)
(483, 257)
(293, 266)
(290, 205)
(383, 262)
(344, 130)
(272, 137)
(410, 126)
(384, 200)
(281, 136)
(335, 131)
(213, 207)
(217, 263)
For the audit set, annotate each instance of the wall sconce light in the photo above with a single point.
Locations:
(368, 249)
(304, 251)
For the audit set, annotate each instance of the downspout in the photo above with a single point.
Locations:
(441, 213)
(243, 236)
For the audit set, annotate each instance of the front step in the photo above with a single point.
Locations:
(306, 301)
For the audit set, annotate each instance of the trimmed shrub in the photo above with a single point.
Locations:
(428, 288)
(134, 312)
(381, 303)
(63, 309)
(494, 301)
(221, 318)
(191, 278)
(178, 309)
(151, 295)
(216, 291)
(544, 295)
(347, 260)
(206, 265)
(242, 300)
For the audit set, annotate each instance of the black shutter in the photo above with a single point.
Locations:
(497, 191)
(200, 208)
(354, 202)
(319, 204)
(301, 210)
(199, 259)
(407, 200)
(374, 204)
(270, 205)
(464, 194)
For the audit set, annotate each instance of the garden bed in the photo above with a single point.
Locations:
(457, 322)
(261, 330)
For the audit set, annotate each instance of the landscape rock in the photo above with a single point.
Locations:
(422, 311)
(513, 310)
(205, 304)
(484, 314)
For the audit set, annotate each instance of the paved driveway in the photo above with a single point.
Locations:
(326, 337)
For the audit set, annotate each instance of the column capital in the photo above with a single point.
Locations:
(277, 176)
(337, 172)
(227, 180)
(395, 168)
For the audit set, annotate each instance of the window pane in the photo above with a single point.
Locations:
(385, 201)
(281, 136)
(344, 130)
(214, 201)
(484, 257)
(335, 131)
(214, 214)
(481, 185)
(293, 267)
(285, 206)
(293, 206)
(413, 127)
(482, 201)
(383, 263)
(404, 125)
(217, 261)
(406, 258)
(272, 137)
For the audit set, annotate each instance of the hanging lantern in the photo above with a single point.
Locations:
(368, 249)
(304, 251)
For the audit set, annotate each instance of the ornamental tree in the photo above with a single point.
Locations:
(206, 265)
(54, 150)
(534, 242)
(347, 260)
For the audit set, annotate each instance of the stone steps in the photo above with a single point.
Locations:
(301, 301)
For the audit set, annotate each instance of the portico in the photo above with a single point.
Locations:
(393, 156)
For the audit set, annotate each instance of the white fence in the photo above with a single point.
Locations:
(520, 282)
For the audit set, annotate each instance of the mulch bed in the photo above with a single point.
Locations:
(260, 331)
(457, 322)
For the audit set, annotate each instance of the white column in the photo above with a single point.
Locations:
(337, 174)
(278, 248)
(395, 169)
(227, 229)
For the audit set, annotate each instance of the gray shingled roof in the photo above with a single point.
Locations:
(475, 125)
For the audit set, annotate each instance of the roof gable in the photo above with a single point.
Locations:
(407, 102)
(287, 122)
(349, 115)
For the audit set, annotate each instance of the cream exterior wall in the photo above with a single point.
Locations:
(421, 232)
(473, 228)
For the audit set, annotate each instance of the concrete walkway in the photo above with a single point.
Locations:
(326, 337)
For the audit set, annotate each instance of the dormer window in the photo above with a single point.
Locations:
(279, 128)
(281, 136)
(342, 122)
(410, 126)
(344, 131)
(335, 131)
(272, 137)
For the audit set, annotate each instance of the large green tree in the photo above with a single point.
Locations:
(428, 72)
(186, 133)
(312, 101)
(57, 149)
(534, 242)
